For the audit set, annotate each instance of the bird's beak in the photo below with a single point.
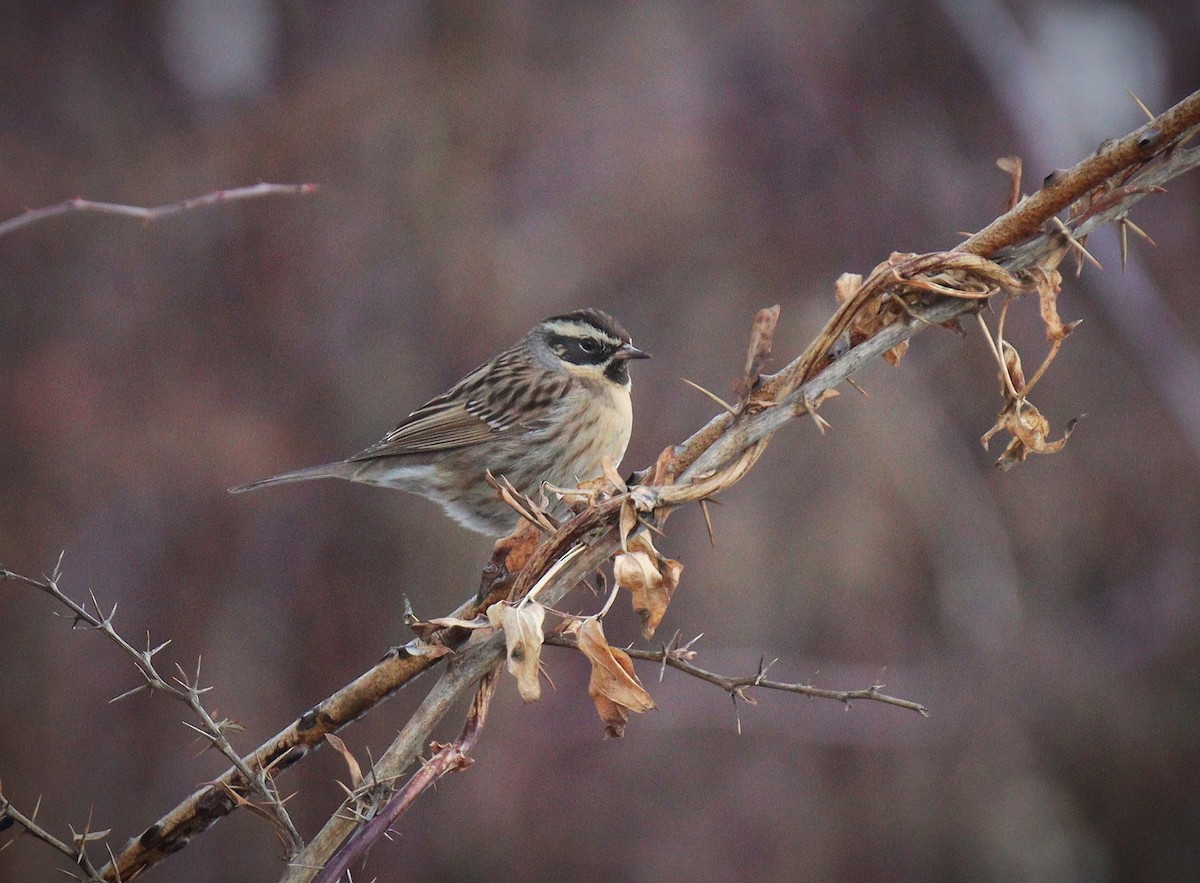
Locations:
(629, 351)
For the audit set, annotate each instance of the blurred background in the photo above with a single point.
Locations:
(680, 165)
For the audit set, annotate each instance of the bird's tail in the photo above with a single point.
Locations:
(341, 469)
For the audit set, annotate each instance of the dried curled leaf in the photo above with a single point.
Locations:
(608, 468)
(1048, 283)
(873, 315)
(1020, 419)
(959, 274)
(650, 579)
(530, 510)
(614, 686)
(664, 469)
(650, 582)
(1013, 368)
(896, 353)
(352, 764)
(762, 332)
(418, 647)
(1029, 430)
(523, 636)
(427, 629)
(629, 521)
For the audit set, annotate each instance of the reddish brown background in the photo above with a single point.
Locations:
(679, 165)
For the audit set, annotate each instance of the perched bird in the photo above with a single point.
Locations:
(546, 410)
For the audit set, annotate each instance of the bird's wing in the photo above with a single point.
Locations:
(495, 399)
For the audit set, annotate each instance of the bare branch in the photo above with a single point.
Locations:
(679, 659)
(148, 215)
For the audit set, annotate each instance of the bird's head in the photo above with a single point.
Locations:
(588, 344)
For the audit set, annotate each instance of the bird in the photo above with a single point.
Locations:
(547, 410)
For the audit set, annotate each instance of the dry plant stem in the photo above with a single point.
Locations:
(447, 758)
(183, 690)
(737, 687)
(155, 213)
(756, 429)
(724, 440)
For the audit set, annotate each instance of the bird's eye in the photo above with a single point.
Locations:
(590, 345)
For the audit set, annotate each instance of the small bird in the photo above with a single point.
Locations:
(548, 409)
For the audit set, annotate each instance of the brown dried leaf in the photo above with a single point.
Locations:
(609, 469)
(418, 647)
(614, 686)
(956, 274)
(643, 543)
(847, 286)
(340, 747)
(633, 570)
(629, 521)
(1048, 284)
(515, 550)
(896, 353)
(664, 468)
(657, 599)
(1012, 165)
(425, 630)
(870, 316)
(759, 352)
(651, 581)
(523, 635)
(614, 716)
(1012, 365)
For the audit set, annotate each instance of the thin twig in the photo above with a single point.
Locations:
(148, 215)
(737, 686)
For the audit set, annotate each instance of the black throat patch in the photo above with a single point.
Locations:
(618, 371)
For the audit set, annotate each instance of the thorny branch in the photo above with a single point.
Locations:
(679, 657)
(183, 688)
(147, 215)
(10, 815)
(877, 317)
